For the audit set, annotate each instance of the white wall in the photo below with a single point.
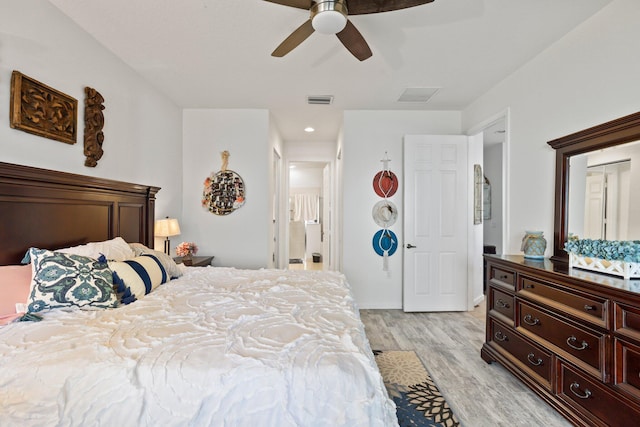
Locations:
(367, 135)
(588, 77)
(242, 238)
(142, 127)
(302, 178)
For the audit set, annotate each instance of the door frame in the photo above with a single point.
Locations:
(504, 115)
(319, 153)
(506, 147)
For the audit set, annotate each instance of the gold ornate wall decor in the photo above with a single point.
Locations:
(93, 124)
(41, 110)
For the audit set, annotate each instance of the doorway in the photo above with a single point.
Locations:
(494, 154)
(308, 215)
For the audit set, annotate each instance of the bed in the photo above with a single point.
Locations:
(213, 347)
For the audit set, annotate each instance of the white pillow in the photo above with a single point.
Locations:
(114, 250)
(167, 262)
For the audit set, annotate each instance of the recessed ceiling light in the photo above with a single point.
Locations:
(309, 129)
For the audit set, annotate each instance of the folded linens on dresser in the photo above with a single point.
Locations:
(216, 347)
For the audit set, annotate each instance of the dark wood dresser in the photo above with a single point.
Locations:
(572, 336)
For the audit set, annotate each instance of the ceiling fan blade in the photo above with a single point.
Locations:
(362, 7)
(300, 4)
(297, 37)
(354, 42)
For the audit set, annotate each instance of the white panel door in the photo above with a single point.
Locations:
(594, 207)
(435, 223)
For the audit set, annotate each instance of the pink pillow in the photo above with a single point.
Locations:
(15, 282)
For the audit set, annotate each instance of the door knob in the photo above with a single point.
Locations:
(410, 246)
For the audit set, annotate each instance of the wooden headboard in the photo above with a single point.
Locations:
(50, 209)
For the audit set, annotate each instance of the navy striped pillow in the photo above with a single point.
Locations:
(137, 277)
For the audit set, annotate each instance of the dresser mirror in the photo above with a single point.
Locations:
(612, 146)
(602, 202)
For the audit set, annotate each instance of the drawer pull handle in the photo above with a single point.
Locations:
(530, 320)
(535, 362)
(528, 286)
(503, 277)
(500, 336)
(589, 307)
(575, 386)
(500, 303)
(571, 340)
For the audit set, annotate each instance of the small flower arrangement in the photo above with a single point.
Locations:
(610, 250)
(186, 248)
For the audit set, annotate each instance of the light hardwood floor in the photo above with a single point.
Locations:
(480, 394)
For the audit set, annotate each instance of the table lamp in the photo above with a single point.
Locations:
(166, 228)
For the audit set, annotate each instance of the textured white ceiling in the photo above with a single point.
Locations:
(216, 53)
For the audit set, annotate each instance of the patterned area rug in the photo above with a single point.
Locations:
(417, 398)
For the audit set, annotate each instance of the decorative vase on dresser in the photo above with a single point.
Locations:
(572, 336)
(534, 244)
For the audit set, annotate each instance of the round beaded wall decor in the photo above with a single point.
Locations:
(223, 192)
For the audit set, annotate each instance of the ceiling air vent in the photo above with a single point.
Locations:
(320, 99)
(418, 94)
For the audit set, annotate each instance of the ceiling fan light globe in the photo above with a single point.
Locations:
(329, 22)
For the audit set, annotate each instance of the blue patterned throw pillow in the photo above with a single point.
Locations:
(65, 280)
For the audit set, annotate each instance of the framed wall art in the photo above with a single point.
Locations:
(41, 110)
(478, 180)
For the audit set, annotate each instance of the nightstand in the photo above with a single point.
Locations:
(196, 261)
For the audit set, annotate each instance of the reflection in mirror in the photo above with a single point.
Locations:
(602, 202)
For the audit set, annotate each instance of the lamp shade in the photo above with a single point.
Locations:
(329, 22)
(167, 227)
(329, 16)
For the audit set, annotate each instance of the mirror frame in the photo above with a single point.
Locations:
(616, 132)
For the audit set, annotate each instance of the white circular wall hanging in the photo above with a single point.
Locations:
(385, 213)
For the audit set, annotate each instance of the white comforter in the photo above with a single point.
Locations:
(217, 347)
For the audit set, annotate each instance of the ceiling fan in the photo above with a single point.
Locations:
(330, 17)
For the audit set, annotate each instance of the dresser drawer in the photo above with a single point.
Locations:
(502, 277)
(535, 361)
(501, 305)
(591, 398)
(582, 346)
(627, 368)
(627, 321)
(584, 306)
